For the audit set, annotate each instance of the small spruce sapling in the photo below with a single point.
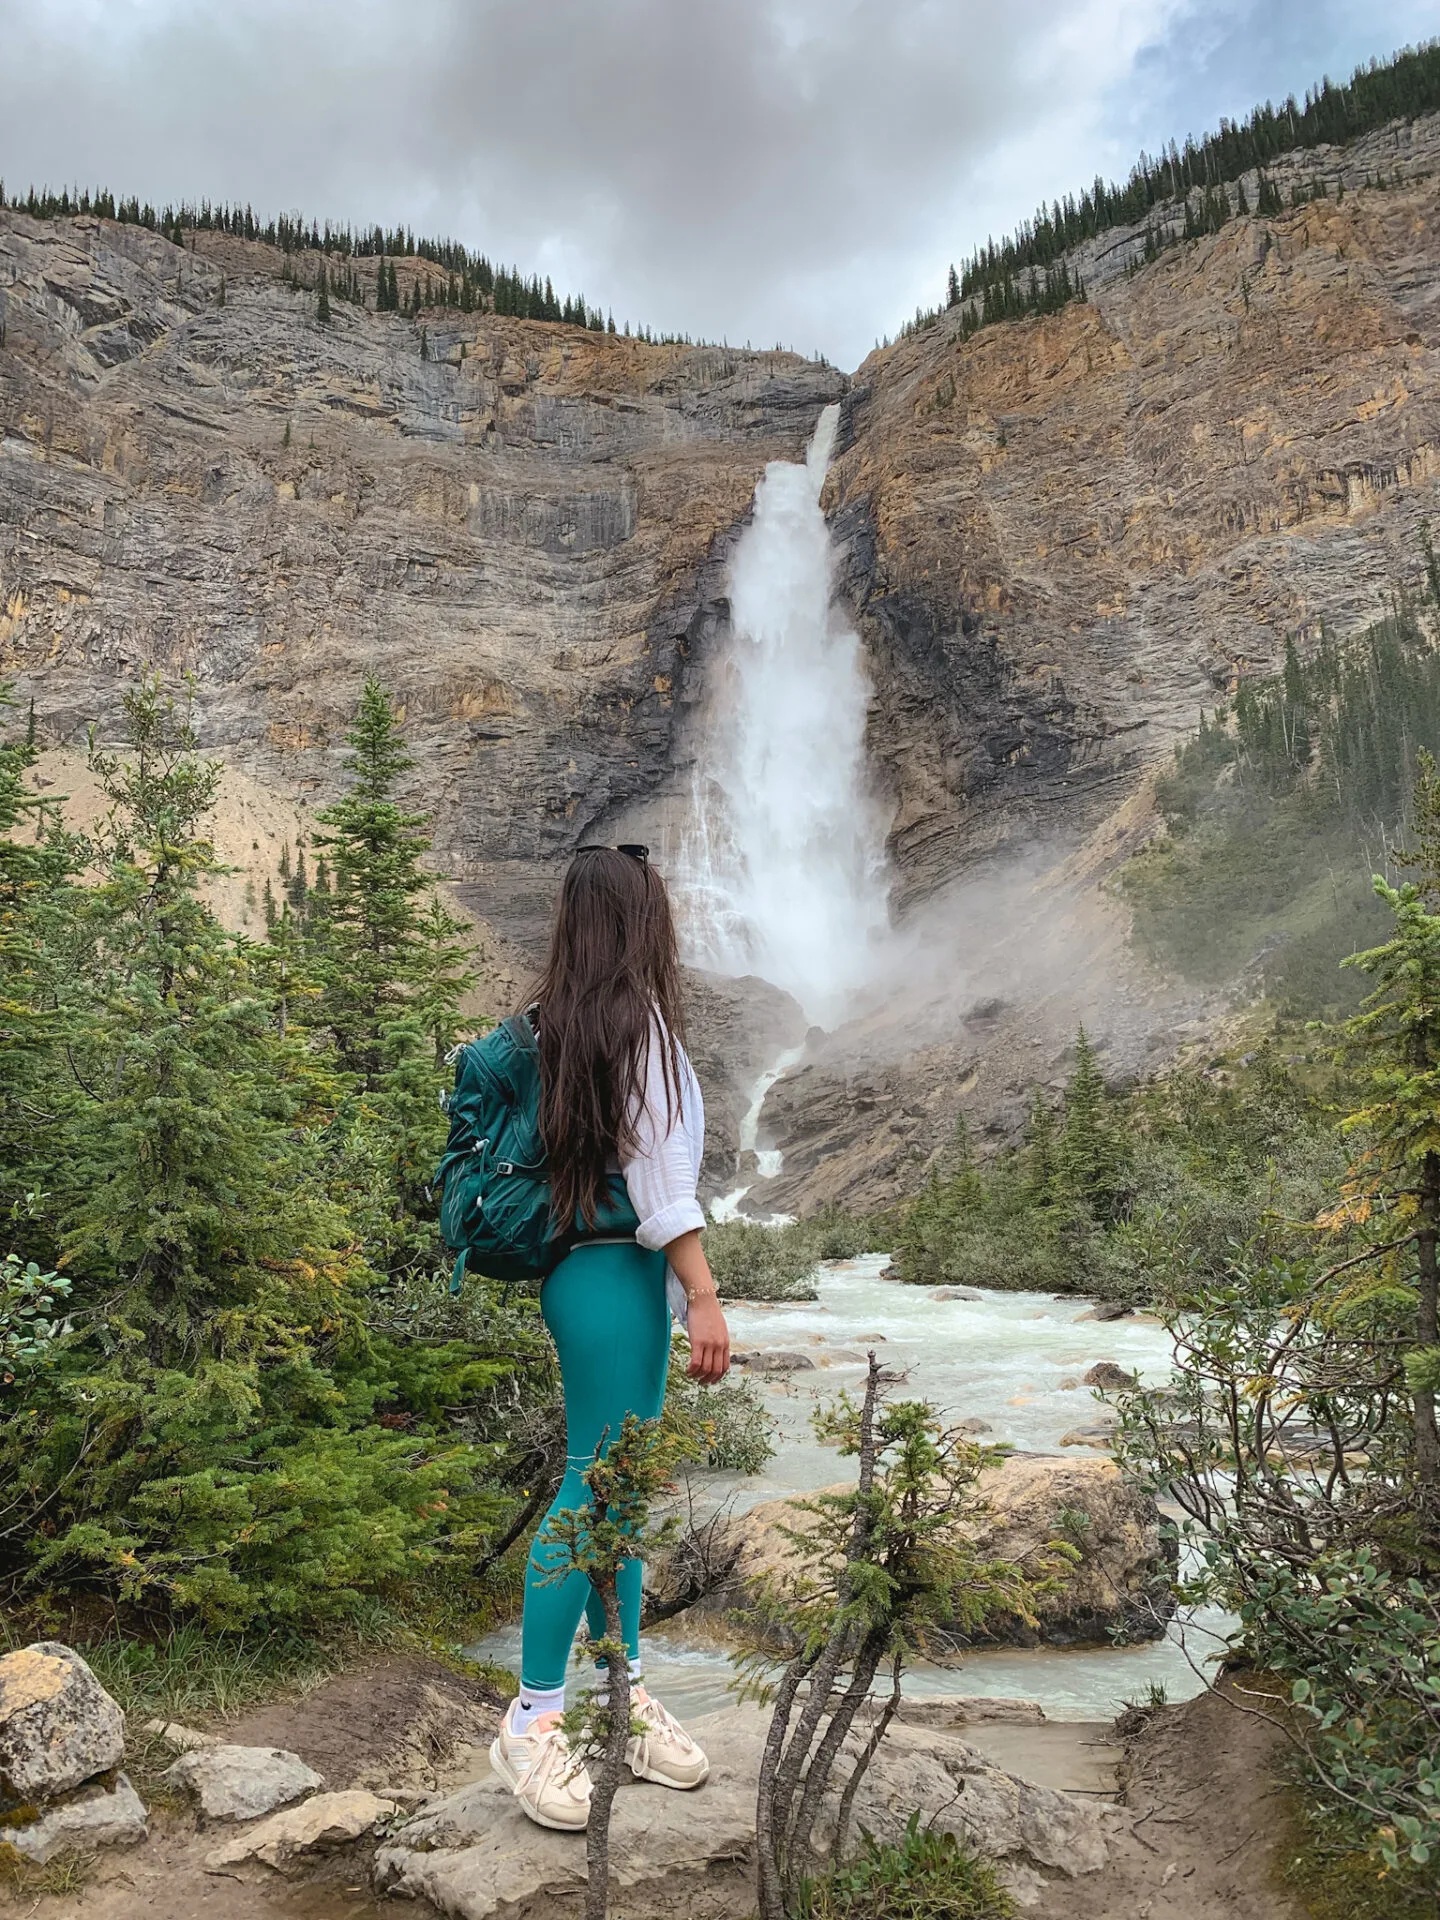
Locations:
(878, 1569)
(597, 1540)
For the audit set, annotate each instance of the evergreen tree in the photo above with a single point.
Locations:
(952, 290)
(1041, 1144)
(38, 864)
(322, 299)
(1087, 1160)
(380, 927)
(1395, 1182)
(206, 1437)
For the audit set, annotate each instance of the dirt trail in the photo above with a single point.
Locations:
(1202, 1780)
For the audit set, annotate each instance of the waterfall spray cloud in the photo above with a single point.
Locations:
(783, 873)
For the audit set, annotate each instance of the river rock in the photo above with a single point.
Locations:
(58, 1725)
(1099, 1436)
(1122, 1580)
(956, 1293)
(972, 1425)
(474, 1855)
(104, 1814)
(242, 1783)
(1108, 1310)
(1109, 1377)
(773, 1362)
(327, 1821)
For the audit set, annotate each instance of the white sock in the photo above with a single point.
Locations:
(527, 1708)
(602, 1693)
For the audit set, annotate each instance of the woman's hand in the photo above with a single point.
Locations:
(709, 1335)
(709, 1340)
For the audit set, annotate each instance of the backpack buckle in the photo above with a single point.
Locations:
(504, 1166)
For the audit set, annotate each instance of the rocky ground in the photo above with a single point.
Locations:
(1189, 1826)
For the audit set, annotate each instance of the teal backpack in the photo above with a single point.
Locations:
(495, 1186)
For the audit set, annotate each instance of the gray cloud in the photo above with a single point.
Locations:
(799, 170)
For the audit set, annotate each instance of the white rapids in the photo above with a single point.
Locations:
(1001, 1359)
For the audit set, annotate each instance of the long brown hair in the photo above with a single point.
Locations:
(613, 967)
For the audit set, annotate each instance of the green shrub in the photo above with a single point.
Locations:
(755, 1262)
(927, 1876)
(751, 1262)
(727, 1426)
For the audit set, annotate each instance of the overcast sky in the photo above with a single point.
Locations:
(799, 171)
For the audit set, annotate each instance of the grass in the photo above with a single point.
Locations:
(22, 1879)
(928, 1876)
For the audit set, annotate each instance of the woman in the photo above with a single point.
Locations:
(617, 1094)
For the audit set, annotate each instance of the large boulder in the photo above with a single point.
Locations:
(242, 1783)
(475, 1855)
(58, 1725)
(105, 1814)
(1120, 1582)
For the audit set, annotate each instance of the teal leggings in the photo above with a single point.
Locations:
(606, 1310)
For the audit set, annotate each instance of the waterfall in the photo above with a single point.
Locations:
(782, 873)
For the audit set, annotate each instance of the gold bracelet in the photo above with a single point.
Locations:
(701, 1293)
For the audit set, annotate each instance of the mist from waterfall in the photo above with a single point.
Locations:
(782, 872)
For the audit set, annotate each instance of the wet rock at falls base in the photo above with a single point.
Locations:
(58, 1725)
(1121, 1582)
(474, 1855)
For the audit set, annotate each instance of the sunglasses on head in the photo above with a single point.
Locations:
(632, 847)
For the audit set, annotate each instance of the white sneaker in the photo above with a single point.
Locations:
(664, 1751)
(551, 1785)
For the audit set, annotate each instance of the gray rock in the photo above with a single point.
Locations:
(948, 1711)
(773, 1362)
(972, 1425)
(58, 1725)
(475, 1855)
(1109, 1377)
(327, 1821)
(95, 1816)
(956, 1293)
(242, 1783)
(1110, 1310)
(1097, 1436)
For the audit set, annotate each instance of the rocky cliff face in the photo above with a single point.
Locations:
(1059, 540)
(523, 533)
(1066, 535)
